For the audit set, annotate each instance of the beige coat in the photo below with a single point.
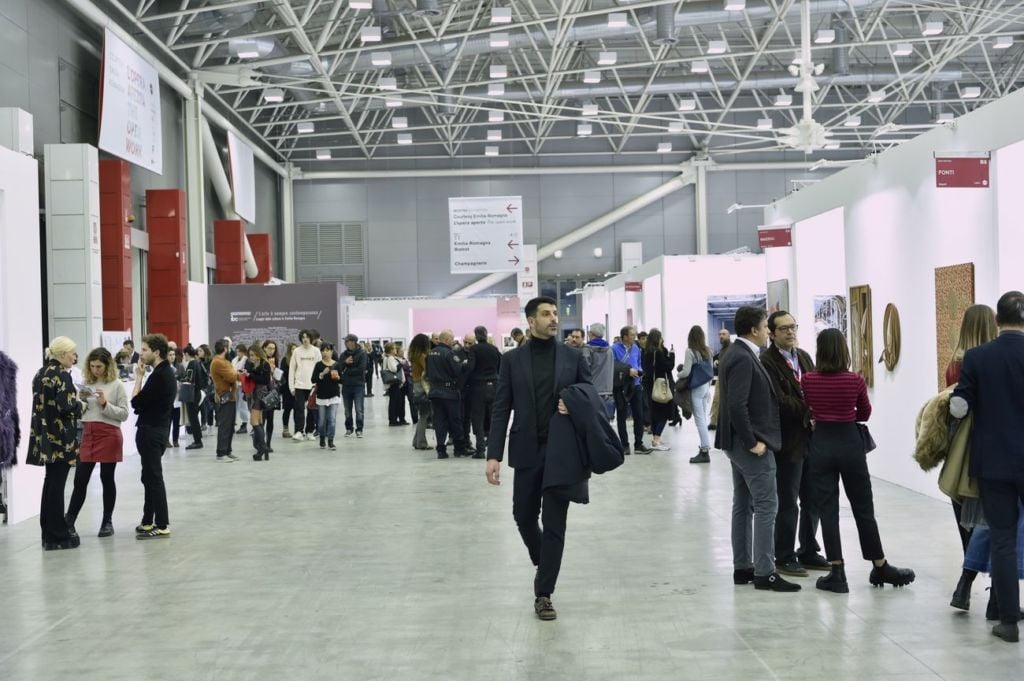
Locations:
(941, 439)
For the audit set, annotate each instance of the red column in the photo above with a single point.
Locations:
(116, 244)
(227, 246)
(167, 293)
(260, 245)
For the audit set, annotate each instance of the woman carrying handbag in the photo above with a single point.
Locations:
(697, 370)
(658, 385)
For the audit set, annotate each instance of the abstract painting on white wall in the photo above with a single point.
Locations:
(829, 313)
(778, 295)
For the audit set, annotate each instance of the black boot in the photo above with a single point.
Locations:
(962, 594)
(992, 610)
(70, 522)
(259, 441)
(835, 580)
(703, 456)
(890, 574)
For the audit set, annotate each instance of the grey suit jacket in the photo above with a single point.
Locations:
(749, 407)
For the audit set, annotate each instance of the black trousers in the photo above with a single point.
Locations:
(413, 409)
(1000, 500)
(837, 452)
(175, 425)
(448, 419)
(151, 444)
(481, 400)
(194, 422)
(287, 406)
(83, 473)
(630, 401)
(225, 427)
(531, 502)
(796, 513)
(965, 534)
(396, 402)
(268, 423)
(51, 502)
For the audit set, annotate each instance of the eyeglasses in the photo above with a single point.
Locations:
(787, 327)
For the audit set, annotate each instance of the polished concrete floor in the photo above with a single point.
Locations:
(381, 562)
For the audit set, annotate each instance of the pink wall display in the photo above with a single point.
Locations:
(461, 320)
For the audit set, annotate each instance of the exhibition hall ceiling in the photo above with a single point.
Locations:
(342, 83)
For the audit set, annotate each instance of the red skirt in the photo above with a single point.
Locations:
(101, 443)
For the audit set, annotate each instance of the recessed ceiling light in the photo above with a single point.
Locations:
(591, 77)
(499, 71)
(405, 138)
(618, 20)
(735, 5)
(495, 89)
(399, 122)
(931, 28)
(971, 92)
(876, 96)
(380, 59)
(945, 118)
(1003, 42)
(764, 124)
(495, 116)
(903, 50)
(675, 126)
(323, 154)
(607, 58)
(501, 15)
(852, 122)
(783, 100)
(494, 135)
(687, 105)
(584, 129)
(825, 36)
(360, 4)
(499, 40)
(370, 34)
(664, 147)
(392, 102)
(273, 95)
(490, 150)
(598, 252)
(717, 47)
(305, 127)
(699, 66)
(388, 83)
(590, 109)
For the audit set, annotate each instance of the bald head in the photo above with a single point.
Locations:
(468, 341)
(446, 337)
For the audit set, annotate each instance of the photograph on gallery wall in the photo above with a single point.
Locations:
(861, 346)
(778, 295)
(954, 293)
(830, 313)
(722, 314)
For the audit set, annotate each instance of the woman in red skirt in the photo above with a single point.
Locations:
(106, 408)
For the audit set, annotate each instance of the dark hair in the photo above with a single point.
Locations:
(241, 348)
(419, 345)
(327, 346)
(188, 350)
(643, 334)
(531, 307)
(277, 350)
(480, 333)
(774, 316)
(128, 341)
(157, 342)
(654, 340)
(220, 347)
(833, 355)
(581, 332)
(749, 318)
(306, 332)
(516, 332)
(698, 343)
(1010, 309)
(625, 331)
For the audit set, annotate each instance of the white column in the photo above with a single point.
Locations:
(701, 196)
(288, 224)
(195, 185)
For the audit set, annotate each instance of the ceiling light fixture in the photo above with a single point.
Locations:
(971, 92)
(718, 47)
(305, 127)
(598, 252)
(399, 122)
(699, 66)
(1003, 42)
(370, 34)
(360, 4)
(495, 116)
(501, 15)
(831, 146)
(323, 154)
(687, 105)
(499, 40)
(273, 95)
(490, 150)
(664, 147)
(405, 138)
(876, 96)
(931, 28)
(825, 36)
(618, 20)
(495, 89)
(764, 124)
(945, 118)
(591, 77)
(388, 83)
(852, 122)
(392, 102)
(675, 126)
(903, 50)
(735, 5)
(558, 254)
(590, 109)
(494, 135)
(783, 100)
(499, 71)
(584, 129)
(607, 58)
(380, 59)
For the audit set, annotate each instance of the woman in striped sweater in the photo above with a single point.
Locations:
(838, 400)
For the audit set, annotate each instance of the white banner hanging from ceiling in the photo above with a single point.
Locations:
(243, 177)
(486, 233)
(130, 125)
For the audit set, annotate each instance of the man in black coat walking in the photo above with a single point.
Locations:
(530, 379)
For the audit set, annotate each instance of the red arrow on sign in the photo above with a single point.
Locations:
(512, 244)
(510, 208)
(515, 260)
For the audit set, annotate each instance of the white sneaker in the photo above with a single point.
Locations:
(661, 448)
(298, 437)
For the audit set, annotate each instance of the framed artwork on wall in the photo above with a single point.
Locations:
(954, 293)
(778, 295)
(830, 313)
(891, 337)
(861, 346)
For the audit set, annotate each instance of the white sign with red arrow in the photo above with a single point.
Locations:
(486, 233)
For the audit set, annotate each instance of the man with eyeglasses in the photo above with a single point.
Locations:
(786, 365)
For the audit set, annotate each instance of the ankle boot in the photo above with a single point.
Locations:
(890, 574)
(835, 580)
(703, 456)
(259, 441)
(70, 522)
(962, 594)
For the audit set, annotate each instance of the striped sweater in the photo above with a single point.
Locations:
(836, 398)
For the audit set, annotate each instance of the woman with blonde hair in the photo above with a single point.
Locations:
(54, 438)
(977, 328)
(106, 408)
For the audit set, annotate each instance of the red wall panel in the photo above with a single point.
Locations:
(166, 267)
(115, 244)
(260, 245)
(227, 246)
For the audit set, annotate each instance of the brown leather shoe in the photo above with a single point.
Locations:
(545, 611)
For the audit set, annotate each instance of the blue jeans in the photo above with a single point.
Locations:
(979, 550)
(353, 394)
(328, 420)
(701, 405)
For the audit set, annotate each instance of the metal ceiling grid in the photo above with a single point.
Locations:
(342, 82)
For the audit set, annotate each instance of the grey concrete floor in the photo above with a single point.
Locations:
(381, 562)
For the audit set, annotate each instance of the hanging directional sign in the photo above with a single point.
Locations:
(486, 233)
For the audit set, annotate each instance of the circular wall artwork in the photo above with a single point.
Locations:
(891, 337)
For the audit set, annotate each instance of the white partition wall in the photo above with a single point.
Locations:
(74, 283)
(1008, 184)
(21, 323)
(819, 268)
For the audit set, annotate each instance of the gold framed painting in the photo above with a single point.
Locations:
(954, 293)
(861, 346)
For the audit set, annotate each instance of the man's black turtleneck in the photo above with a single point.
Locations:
(542, 361)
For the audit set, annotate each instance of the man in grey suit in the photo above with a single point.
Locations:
(529, 382)
(750, 432)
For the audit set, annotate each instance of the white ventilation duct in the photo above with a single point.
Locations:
(427, 8)
(215, 171)
(666, 25)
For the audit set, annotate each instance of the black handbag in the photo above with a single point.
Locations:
(186, 393)
(865, 438)
(272, 400)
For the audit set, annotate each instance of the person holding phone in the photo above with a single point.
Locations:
(327, 378)
(106, 408)
(257, 369)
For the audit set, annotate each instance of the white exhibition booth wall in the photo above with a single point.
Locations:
(674, 295)
(403, 318)
(885, 224)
